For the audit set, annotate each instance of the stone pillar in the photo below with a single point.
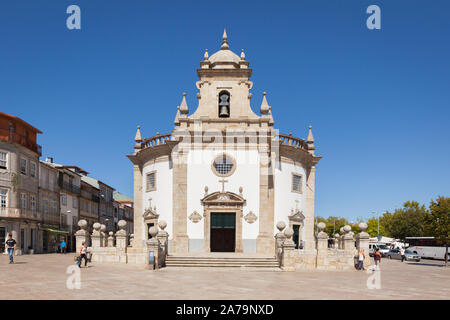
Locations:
(180, 242)
(322, 239)
(111, 239)
(265, 242)
(349, 241)
(163, 237)
(81, 235)
(362, 242)
(102, 235)
(121, 235)
(96, 235)
(279, 239)
(341, 238)
(336, 241)
(309, 208)
(153, 245)
(139, 225)
(288, 259)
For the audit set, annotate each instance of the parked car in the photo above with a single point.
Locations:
(384, 249)
(409, 255)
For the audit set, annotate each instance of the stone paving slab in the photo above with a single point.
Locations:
(44, 277)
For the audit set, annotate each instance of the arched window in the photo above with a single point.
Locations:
(224, 104)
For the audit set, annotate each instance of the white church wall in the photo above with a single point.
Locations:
(162, 196)
(200, 174)
(285, 199)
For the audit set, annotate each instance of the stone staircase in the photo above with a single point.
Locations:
(222, 260)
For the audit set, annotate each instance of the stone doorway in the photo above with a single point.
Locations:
(223, 232)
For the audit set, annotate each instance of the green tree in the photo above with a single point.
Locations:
(408, 221)
(372, 227)
(438, 222)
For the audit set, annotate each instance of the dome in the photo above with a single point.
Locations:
(224, 56)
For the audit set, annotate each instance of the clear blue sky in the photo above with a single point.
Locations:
(378, 100)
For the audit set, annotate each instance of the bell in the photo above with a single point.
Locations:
(223, 111)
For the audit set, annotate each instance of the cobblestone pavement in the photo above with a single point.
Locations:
(44, 277)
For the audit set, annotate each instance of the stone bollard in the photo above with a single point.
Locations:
(163, 238)
(153, 246)
(111, 239)
(288, 259)
(349, 241)
(121, 235)
(102, 235)
(279, 239)
(81, 235)
(322, 239)
(96, 235)
(362, 242)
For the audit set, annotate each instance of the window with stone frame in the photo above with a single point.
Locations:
(74, 202)
(3, 160)
(33, 202)
(3, 198)
(23, 200)
(23, 166)
(45, 207)
(151, 181)
(296, 183)
(64, 199)
(32, 169)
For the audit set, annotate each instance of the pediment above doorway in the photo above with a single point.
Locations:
(223, 199)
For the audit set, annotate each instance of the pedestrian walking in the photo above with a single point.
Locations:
(10, 246)
(63, 246)
(361, 257)
(402, 253)
(377, 257)
(83, 251)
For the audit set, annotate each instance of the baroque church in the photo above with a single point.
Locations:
(224, 176)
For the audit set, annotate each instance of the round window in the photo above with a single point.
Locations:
(223, 165)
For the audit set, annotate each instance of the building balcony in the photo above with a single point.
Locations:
(51, 219)
(70, 187)
(20, 214)
(20, 139)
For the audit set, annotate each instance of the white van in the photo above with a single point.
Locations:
(384, 249)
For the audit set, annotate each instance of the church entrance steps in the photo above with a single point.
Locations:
(218, 260)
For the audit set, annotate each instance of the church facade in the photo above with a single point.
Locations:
(224, 177)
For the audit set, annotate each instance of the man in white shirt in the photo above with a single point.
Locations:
(402, 253)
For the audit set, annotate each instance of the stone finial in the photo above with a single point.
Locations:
(162, 224)
(82, 224)
(102, 228)
(206, 191)
(289, 232)
(347, 228)
(264, 105)
(122, 224)
(225, 45)
(241, 190)
(138, 137)
(111, 233)
(97, 226)
(242, 54)
(153, 231)
(177, 117)
(310, 141)
(321, 226)
(336, 236)
(281, 225)
(271, 122)
(183, 106)
(206, 56)
(362, 226)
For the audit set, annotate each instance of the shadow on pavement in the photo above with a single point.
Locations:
(425, 264)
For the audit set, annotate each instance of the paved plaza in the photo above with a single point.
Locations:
(44, 277)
